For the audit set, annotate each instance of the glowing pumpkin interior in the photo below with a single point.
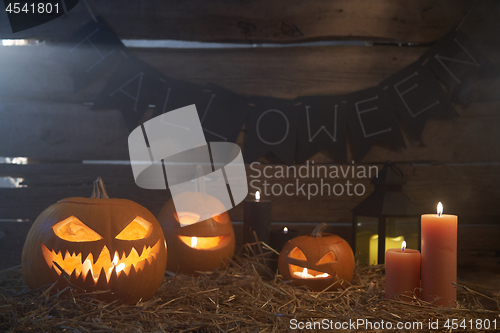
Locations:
(204, 243)
(302, 272)
(200, 243)
(74, 230)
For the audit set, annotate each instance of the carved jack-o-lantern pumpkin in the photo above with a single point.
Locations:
(318, 261)
(195, 245)
(97, 244)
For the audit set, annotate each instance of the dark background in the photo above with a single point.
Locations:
(456, 161)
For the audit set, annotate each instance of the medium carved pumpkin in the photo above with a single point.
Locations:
(97, 244)
(195, 245)
(318, 261)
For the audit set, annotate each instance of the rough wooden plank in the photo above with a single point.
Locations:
(74, 132)
(35, 74)
(61, 131)
(253, 21)
(470, 191)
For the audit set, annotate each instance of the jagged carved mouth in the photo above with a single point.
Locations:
(304, 273)
(205, 243)
(104, 265)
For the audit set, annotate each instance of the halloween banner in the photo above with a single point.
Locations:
(222, 112)
(415, 95)
(132, 88)
(457, 62)
(271, 128)
(91, 51)
(287, 131)
(322, 128)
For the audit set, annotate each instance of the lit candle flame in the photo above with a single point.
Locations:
(440, 209)
(304, 273)
(115, 259)
(285, 230)
(403, 246)
(324, 275)
(194, 241)
(257, 196)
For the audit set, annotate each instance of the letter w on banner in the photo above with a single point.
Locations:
(322, 128)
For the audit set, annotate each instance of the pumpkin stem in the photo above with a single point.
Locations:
(199, 184)
(99, 191)
(319, 229)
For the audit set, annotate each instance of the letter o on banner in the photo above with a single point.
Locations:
(286, 132)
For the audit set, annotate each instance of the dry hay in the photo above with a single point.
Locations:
(246, 297)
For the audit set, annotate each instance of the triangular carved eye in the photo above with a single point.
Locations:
(74, 230)
(329, 257)
(139, 228)
(296, 253)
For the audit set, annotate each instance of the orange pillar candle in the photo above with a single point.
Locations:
(439, 257)
(402, 273)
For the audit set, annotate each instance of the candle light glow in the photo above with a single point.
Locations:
(194, 241)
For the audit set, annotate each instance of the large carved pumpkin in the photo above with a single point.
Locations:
(317, 261)
(195, 245)
(97, 244)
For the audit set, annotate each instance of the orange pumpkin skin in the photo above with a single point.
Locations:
(182, 258)
(107, 217)
(315, 249)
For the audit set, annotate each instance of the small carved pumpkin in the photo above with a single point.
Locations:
(318, 261)
(97, 244)
(195, 245)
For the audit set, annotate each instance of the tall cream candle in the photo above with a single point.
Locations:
(439, 257)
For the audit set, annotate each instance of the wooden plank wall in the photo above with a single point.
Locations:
(456, 161)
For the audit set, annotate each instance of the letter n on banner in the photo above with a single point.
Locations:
(91, 51)
(416, 95)
(132, 88)
(457, 62)
(271, 128)
(322, 128)
(370, 121)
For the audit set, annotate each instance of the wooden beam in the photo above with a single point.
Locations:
(405, 21)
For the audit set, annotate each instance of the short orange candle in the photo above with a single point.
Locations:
(402, 273)
(439, 257)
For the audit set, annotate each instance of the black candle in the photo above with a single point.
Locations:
(257, 218)
(277, 240)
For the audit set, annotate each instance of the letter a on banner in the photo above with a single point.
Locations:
(133, 86)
